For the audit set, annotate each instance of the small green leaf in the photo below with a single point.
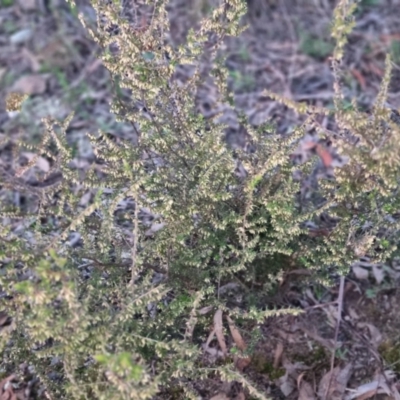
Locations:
(125, 360)
(102, 358)
(255, 181)
(136, 372)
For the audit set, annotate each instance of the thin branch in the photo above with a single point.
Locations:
(339, 317)
(135, 240)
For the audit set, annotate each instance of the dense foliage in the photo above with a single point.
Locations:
(176, 214)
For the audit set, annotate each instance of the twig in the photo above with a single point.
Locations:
(135, 240)
(293, 37)
(339, 317)
(321, 305)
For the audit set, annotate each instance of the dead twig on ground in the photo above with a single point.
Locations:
(339, 317)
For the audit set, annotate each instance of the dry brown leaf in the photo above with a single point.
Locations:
(220, 396)
(376, 336)
(240, 362)
(5, 396)
(237, 337)
(367, 395)
(299, 379)
(210, 338)
(30, 84)
(240, 396)
(278, 355)
(306, 391)
(8, 393)
(6, 380)
(205, 310)
(219, 331)
(353, 314)
(333, 384)
(302, 271)
(31, 59)
(370, 389)
(395, 392)
(288, 382)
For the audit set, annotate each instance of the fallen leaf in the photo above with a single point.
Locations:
(324, 155)
(353, 314)
(30, 84)
(368, 395)
(213, 351)
(359, 77)
(360, 272)
(287, 384)
(21, 36)
(31, 59)
(333, 384)
(220, 396)
(376, 336)
(219, 331)
(154, 228)
(27, 5)
(237, 337)
(41, 162)
(240, 362)
(278, 355)
(331, 312)
(379, 273)
(370, 389)
(306, 391)
(6, 380)
(395, 392)
(327, 343)
(85, 199)
(240, 396)
(205, 310)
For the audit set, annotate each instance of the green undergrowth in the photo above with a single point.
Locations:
(134, 322)
(390, 352)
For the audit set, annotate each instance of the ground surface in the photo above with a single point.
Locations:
(286, 49)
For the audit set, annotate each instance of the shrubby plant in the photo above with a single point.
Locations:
(178, 214)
